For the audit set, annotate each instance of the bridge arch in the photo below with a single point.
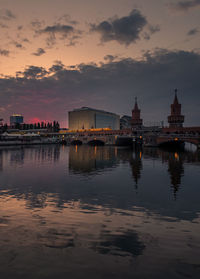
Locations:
(96, 142)
(76, 142)
(178, 141)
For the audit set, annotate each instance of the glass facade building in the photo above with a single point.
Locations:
(16, 119)
(89, 118)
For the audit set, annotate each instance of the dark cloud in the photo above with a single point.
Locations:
(6, 14)
(4, 52)
(112, 85)
(33, 72)
(18, 45)
(58, 66)
(110, 58)
(61, 32)
(150, 31)
(62, 29)
(25, 40)
(185, 5)
(20, 27)
(40, 51)
(192, 32)
(124, 30)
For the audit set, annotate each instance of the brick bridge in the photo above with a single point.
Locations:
(181, 134)
(111, 137)
(173, 138)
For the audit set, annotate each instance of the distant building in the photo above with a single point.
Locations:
(89, 118)
(175, 119)
(136, 121)
(125, 122)
(16, 119)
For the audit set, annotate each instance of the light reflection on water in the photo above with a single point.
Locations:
(99, 212)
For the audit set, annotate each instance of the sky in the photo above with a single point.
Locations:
(59, 55)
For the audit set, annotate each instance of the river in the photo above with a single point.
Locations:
(99, 212)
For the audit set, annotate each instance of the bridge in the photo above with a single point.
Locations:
(101, 139)
(127, 136)
(178, 139)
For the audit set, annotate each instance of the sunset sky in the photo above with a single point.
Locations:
(57, 55)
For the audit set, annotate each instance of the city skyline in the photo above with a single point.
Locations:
(100, 55)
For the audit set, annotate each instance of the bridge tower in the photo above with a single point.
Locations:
(176, 120)
(136, 121)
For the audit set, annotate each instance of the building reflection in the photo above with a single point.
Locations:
(136, 166)
(90, 159)
(41, 153)
(39, 184)
(175, 161)
(176, 171)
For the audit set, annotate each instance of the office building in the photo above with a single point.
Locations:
(16, 119)
(88, 118)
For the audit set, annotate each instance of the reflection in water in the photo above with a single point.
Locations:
(136, 166)
(176, 171)
(87, 160)
(125, 244)
(64, 210)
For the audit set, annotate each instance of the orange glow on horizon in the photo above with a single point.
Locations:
(37, 120)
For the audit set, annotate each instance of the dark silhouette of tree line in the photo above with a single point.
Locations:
(49, 126)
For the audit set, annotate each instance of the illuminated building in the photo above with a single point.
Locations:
(89, 118)
(136, 121)
(175, 119)
(16, 119)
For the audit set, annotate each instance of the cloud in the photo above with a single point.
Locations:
(66, 18)
(20, 27)
(185, 5)
(4, 52)
(62, 29)
(151, 29)
(192, 32)
(18, 45)
(37, 24)
(124, 30)
(110, 58)
(2, 25)
(59, 31)
(33, 72)
(40, 51)
(111, 85)
(58, 66)
(6, 14)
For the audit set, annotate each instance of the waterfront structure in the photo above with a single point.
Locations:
(87, 118)
(176, 119)
(136, 121)
(16, 119)
(125, 122)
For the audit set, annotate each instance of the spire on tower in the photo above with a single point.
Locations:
(175, 97)
(136, 105)
(136, 120)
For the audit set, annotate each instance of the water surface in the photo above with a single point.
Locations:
(99, 212)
